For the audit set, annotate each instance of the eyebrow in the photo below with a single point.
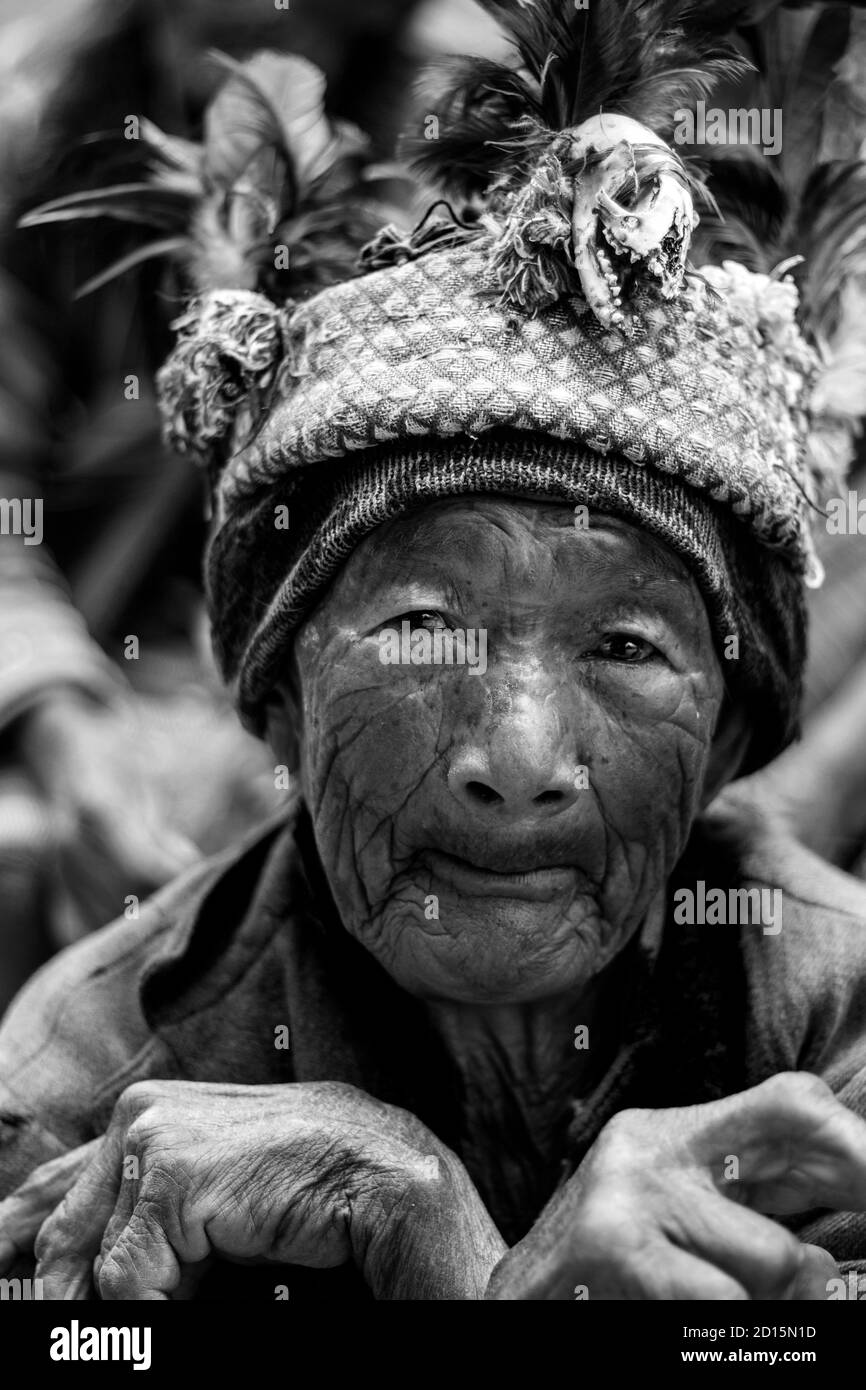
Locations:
(649, 567)
(660, 578)
(653, 564)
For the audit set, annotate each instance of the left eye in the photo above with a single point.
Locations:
(620, 646)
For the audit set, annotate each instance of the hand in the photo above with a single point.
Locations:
(311, 1174)
(112, 841)
(22, 1213)
(650, 1213)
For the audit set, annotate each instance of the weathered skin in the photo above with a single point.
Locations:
(315, 1175)
(399, 763)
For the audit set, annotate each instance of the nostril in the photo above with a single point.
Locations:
(547, 798)
(481, 792)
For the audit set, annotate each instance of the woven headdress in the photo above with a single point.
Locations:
(543, 334)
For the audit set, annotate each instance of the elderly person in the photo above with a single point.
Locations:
(508, 565)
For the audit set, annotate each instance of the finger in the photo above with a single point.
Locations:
(123, 1209)
(834, 1156)
(156, 1244)
(70, 1238)
(816, 1271)
(655, 1271)
(662, 1272)
(23, 1211)
(797, 1146)
(757, 1252)
(143, 1265)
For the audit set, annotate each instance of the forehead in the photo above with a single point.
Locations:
(479, 532)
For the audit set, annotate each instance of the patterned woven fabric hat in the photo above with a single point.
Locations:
(705, 387)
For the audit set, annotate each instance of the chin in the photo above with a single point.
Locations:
(501, 952)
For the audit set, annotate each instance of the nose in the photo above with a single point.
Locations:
(520, 770)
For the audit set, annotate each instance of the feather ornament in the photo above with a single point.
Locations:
(274, 204)
(569, 149)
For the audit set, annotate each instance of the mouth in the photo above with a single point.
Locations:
(616, 260)
(536, 883)
(614, 264)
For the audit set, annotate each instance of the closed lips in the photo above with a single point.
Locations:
(539, 881)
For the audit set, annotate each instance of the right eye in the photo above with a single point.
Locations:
(422, 618)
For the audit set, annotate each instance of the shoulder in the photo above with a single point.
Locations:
(78, 1033)
(805, 956)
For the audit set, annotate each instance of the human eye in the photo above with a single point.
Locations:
(428, 619)
(624, 647)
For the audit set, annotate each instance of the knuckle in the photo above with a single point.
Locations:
(112, 1280)
(797, 1087)
(140, 1131)
(137, 1100)
(621, 1126)
(623, 1130)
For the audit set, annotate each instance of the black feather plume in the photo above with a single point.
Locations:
(637, 58)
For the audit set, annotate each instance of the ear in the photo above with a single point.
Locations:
(283, 725)
(730, 742)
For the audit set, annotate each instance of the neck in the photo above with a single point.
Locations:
(517, 1069)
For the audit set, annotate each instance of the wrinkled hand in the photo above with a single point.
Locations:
(650, 1213)
(313, 1174)
(22, 1213)
(112, 840)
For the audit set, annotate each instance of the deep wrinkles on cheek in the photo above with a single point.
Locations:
(360, 843)
(636, 866)
(343, 811)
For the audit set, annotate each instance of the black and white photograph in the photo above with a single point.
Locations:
(432, 669)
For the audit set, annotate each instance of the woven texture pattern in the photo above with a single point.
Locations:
(696, 387)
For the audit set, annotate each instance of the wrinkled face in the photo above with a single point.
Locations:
(495, 829)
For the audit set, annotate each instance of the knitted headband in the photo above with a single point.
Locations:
(552, 339)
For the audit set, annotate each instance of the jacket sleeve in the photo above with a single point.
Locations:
(72, 1040)
(807, 1010)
